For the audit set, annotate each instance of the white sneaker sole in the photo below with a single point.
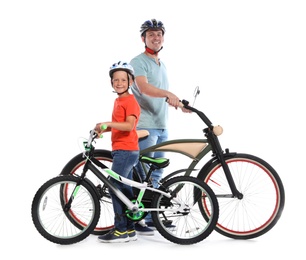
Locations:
(145, 233)
(119, 240)
(134, 238)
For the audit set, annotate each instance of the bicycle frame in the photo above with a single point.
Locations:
(133, 207)
(196, 149)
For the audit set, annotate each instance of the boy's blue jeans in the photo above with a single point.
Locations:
(123, 162)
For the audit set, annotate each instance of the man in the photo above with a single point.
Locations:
(150, 88)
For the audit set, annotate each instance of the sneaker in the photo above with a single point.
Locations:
(114, 237)
(132, 234)
(167, 224)
(143, 229)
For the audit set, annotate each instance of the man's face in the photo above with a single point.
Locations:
(154, 39)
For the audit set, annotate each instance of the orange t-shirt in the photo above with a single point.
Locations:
(123, 107)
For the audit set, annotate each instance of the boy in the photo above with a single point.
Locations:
(125, 149)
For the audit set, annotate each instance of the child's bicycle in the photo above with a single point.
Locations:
(66, 209)
(250, 193)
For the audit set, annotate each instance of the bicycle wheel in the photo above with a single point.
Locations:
(189, 225)
(75, 167)
(54, 222)
(263, 196)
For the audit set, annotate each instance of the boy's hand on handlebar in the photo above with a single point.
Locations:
(100, 128)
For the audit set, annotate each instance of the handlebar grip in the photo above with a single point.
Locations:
(181, 105)
(103, 127)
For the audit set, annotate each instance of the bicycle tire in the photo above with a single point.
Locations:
(75, 167)
(53, 222)
(263, 196)
(189, 225)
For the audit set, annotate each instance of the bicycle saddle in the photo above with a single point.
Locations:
(156, 162)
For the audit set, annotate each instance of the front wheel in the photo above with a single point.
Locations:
(263, 196)
(183, 209)
(54, 218)
(75, 167)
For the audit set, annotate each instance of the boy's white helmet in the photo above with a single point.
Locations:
(124, 66)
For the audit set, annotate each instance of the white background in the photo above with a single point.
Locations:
(248, 57)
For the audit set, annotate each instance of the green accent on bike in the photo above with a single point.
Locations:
(136, 216)
(156, 160)
(113, 174)
(76, 191)
(85, 146)
(103, 127)
(140, 195)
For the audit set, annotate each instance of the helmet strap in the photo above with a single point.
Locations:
(152, 51)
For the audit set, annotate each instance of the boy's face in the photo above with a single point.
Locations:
(120, 81)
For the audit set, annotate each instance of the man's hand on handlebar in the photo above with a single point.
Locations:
(175, 100)
(185, 110)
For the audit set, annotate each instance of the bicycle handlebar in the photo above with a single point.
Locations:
(218, 130)
(199, 113)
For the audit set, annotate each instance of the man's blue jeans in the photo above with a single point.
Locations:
(156, 136)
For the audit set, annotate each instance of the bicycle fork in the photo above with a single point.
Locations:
(216, 147)
(67, 206)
